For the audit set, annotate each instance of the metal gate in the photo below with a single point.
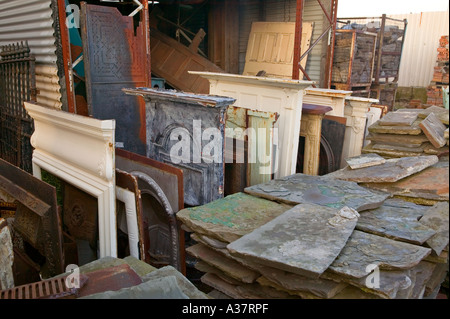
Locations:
(17, 85)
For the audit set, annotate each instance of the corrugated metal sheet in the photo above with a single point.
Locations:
(283, 11)
(32, 21)
(420, 48)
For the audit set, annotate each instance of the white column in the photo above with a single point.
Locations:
(355, 111)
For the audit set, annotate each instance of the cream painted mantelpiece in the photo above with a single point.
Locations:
(283, 96)
(356, 109)
(327, 97)
(373, 115)
(79, 150)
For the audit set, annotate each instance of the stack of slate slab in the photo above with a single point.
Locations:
(409, 132)
(314, 237)
(417, 180)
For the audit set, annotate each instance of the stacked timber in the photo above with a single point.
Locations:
(409, 132)
(319, 237)
(440, 75)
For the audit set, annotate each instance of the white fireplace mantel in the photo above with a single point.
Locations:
(263, 94)
(81, 151)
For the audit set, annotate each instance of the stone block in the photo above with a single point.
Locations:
(321, 190)
(305, 240)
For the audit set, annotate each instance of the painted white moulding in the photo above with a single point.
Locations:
(328, 97)
(81, 151)
(264, 94)
(129, 199)
(373, 115)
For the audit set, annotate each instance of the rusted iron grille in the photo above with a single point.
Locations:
(17, 85)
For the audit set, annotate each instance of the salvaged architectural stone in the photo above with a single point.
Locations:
(398, 119)
(304, 240)
(391, 171)
(434, 130)
(437, 218)
(363, 249)
(321, 190)
(424, 271)
(388, 153)
(397, 139)
(321, 288)
(185, 285)
(227, 265)
(396, 222)
(365, 160)
(160, 288)
(230, 218)
(397, 148)
(441, 113)
(391, 282)
(243, 291)
(412, 129)
(429, 184)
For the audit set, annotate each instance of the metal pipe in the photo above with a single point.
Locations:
(139, 8)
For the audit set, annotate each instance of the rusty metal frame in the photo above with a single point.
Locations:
(17, 85)
(298, 56)
(177, 234)
(37, 218)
